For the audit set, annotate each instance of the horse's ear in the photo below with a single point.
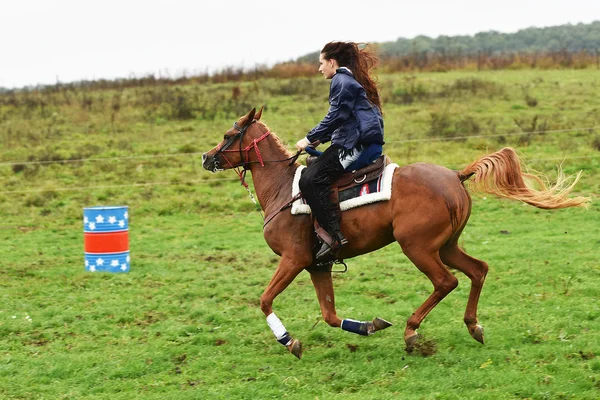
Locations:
(259, 114)
(250, 116)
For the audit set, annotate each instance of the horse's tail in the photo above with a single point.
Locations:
(500, 174)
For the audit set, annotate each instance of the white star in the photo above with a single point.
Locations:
(126, 215)
(114, 263)
(123, 267)
(92, 269)
(92, 226)
(112, 220)
(99, 219)
(87, 263)
(100, 261)
(121, 223)
(127, 258)
(85, 220)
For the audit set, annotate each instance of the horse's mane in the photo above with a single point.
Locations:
(278, 141)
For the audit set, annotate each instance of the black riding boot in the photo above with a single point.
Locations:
(315, 185)
(329, 251)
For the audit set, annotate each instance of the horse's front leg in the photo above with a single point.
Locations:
(286, 272)
(324, 288)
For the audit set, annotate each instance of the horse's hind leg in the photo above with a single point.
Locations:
(324, 288)
(476, 270)
(443, 281)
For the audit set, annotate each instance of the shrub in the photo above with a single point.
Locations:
(473, 86)
(187, 148)
(18, 168)
(409, 91)
(441, 125)
(596, 143)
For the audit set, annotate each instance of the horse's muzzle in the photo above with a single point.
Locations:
(207, 162)
(210, 163)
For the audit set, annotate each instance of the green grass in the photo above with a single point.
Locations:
(185, 322)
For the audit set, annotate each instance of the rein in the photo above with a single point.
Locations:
(286, 205)
(245, 153)
(245, 161)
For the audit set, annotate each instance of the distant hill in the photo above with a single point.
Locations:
(571, 38)
(545, 48)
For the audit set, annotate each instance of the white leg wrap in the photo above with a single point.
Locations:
(276, 326)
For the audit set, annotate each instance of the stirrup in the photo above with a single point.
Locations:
(328, 266)
(327, 250)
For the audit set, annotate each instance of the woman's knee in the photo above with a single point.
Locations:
(305, 181)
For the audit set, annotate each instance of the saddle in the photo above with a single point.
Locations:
(358, 177)
(347, 181)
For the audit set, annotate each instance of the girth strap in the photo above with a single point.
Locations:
(286, 205)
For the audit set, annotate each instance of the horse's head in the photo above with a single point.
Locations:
(234, 149)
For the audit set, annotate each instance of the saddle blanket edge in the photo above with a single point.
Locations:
(385, 194)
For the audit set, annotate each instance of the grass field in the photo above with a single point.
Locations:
(185, 322)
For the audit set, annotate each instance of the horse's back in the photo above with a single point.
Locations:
(432, 177)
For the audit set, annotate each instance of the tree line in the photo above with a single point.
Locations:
(572, 38)
(564, 46)
(569, 38)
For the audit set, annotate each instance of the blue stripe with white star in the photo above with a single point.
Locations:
(107, 262)
(105, 219)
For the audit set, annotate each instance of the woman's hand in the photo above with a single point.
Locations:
(302, 144)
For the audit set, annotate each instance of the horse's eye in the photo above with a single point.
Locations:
(225, 137)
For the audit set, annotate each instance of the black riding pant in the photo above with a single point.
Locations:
(315, 186)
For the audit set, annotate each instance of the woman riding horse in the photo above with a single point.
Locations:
(426, 214)
(355, 127)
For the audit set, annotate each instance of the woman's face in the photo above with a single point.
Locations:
(327, 67)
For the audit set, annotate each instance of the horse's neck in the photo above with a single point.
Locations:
(273, 181)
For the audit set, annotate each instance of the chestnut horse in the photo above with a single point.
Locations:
(426, 214)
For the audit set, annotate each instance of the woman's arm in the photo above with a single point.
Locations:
(341, 104)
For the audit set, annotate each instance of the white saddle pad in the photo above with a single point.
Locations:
(300, 206)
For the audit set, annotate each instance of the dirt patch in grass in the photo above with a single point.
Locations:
(352, 347)
(424, 348)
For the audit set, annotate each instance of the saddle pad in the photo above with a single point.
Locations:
(379, 189)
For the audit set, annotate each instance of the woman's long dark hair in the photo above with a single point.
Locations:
(359, 61)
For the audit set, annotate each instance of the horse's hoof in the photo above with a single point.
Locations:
(381, 324)
(296, 348)
(478, 333)
(376, 325)
(410, 342)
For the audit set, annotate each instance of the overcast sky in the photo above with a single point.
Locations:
(42, 41)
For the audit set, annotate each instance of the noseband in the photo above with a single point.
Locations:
(243, 152)
(245, 160)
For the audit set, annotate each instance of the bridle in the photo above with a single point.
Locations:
(244, 153)
(239, 135)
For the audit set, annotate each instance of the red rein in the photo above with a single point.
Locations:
(253, 145)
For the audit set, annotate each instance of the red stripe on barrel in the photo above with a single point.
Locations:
(108, 242)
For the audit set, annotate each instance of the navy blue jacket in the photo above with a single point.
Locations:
(352, 120)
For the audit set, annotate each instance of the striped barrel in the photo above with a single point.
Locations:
(106, 239)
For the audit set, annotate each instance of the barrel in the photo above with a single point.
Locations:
(106, 239)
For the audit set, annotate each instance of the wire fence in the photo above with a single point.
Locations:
(444, 138)
(192, 154)
(204, 181)
(209, 181)
(143, 184)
